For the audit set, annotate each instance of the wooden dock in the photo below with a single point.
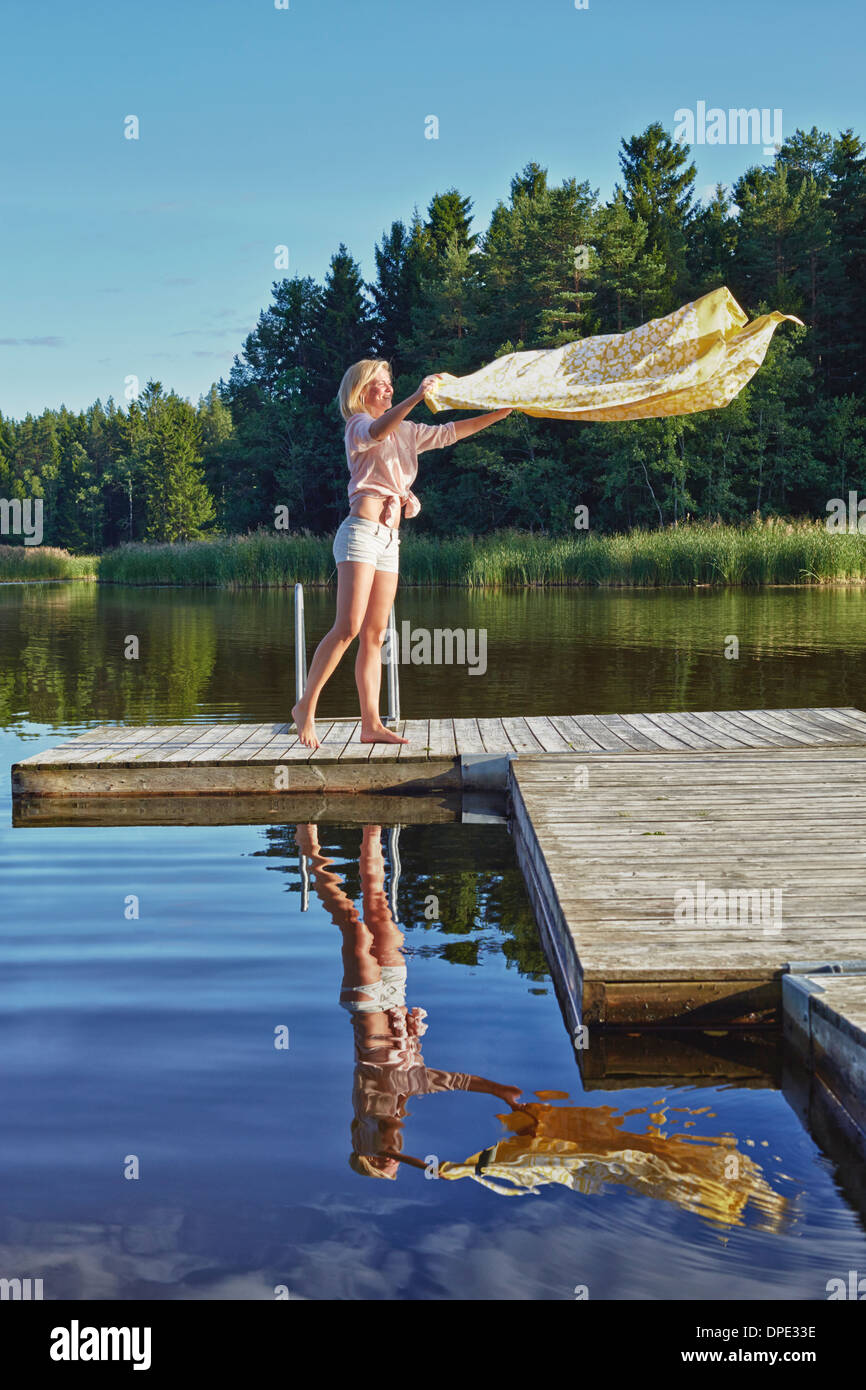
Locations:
(252, 759)
(619, 821)
(646, 876)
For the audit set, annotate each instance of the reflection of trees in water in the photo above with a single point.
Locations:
(64, 663)
(470, 870)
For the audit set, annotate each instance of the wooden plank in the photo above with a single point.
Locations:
(332, 745)
(417, 749)
(441, 739)
(806, 730)
(118, 734)
(74, 754)
(847, 721)
(494, 736)
(549, 737)
(812, 718)
(355, 750)
(672, 724)
(593, 727)
(468, 737)
(764, 730)
(571, 731)
(258, 735)
(161, 734)
(858, 716)
(628, 733)
(388, 751)
(714, 733)
(646, 725)
(288, 745)
(101, 734)
(522, 738)
(726, 734)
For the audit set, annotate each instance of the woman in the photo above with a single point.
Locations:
(382, 449)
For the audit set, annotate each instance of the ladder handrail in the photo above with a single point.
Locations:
(393, 715)
(300, 644)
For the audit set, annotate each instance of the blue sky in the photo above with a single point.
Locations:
(305, 127)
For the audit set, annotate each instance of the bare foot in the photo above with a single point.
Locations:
(379, 734)
(305, 725)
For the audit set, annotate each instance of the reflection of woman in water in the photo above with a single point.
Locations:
(389, 1067)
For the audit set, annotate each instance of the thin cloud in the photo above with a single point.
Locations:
(204, 333)
(50, 341)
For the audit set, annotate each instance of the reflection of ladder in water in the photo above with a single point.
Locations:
(392, 717)
(393, 885)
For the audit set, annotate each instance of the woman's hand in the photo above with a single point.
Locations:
(427, 384)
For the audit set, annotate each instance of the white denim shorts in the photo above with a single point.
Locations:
(367, 543)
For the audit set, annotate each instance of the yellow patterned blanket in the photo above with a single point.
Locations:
(697, 358)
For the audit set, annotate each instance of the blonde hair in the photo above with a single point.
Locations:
(362, 1165)
(355, 382)
(370, 1135)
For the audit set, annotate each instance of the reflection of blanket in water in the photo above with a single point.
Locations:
(697, 358)
(585, 1148)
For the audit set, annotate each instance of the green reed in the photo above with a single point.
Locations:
(696, 553)
(44, 562)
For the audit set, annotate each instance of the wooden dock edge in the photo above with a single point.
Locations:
(825, 1025)
(664, 1002)
(237, 779)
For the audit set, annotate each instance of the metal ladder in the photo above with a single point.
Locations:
(392, 717)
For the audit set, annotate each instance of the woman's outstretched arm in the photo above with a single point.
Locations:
(478, 422)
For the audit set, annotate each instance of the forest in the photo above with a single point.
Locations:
(264, 447)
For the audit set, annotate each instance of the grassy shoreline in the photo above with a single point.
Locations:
(695, 554)
(36, 562)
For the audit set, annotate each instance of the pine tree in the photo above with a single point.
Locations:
(659, 188)
(277, 359)
(442, 315)
(712, 244)
(630, 283)
(449, 215)
(807, 156)
(845, 284)
(168, 440)
(392, 294)
(344, 330)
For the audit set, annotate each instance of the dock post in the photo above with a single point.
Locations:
(300, 643)
(393, 717)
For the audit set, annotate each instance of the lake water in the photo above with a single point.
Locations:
(148, 1042)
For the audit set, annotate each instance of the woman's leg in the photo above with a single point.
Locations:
(354, 582)
(368, 665)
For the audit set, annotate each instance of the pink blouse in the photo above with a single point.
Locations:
(387, 467)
